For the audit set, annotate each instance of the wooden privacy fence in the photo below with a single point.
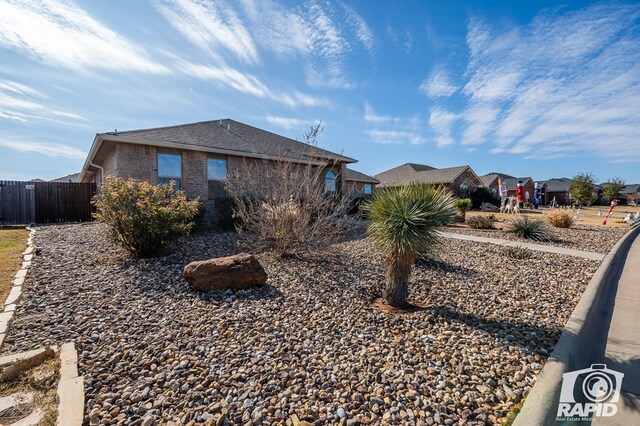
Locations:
(45, 202)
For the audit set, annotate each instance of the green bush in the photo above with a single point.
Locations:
(463, 205)
(560, 219)
(144, 217)
(481, 222)
(531, 229)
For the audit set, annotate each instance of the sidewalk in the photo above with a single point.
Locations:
(531, 246)
(622, 352)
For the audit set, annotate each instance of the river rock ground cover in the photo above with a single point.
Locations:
(309, 343)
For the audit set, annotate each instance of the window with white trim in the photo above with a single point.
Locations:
(368, 188)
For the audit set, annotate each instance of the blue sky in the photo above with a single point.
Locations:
(536, 88)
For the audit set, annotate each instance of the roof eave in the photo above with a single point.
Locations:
(101, 137)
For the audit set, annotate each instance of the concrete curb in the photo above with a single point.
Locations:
(16, 290)
(582, 333)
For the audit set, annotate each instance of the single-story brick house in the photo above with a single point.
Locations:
(631, 193)
(359, 184)
(527, 182)
(198, 157)
(461, 180)
(490, 181)
(558, 188)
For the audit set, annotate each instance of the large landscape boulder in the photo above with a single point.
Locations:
(239, 271)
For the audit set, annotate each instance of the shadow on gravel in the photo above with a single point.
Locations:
(528, 337)
(264, 292)
(439, 265)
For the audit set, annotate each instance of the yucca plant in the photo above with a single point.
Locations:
(404, 222)
(531, 229)
(463, 205)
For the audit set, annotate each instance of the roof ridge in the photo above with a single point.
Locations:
(172, 126)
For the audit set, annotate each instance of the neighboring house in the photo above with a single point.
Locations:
(558, 188)
(527, 182)
(490, 181)
(632, 194)
(359, 184)
(198, 157)
(461, 180)
(69, 178)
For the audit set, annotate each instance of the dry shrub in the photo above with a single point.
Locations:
(282, 206)
(560, 219)
(481, 222)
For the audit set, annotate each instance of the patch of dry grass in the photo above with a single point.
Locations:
(12, 243)
(42, 381)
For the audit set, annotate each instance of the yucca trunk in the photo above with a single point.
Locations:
(396, 290)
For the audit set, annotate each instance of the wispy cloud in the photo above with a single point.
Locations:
(290, 123)
(404, 40)
(441, 123)
(54, 150)
(360, 26)
(249, 84)
(22, 103)
(62, 34)
(564, 85)
(386, 129)
(438, 84)
(318, 33)
(212, 26)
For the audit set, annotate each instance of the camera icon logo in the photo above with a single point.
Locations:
(590, 392)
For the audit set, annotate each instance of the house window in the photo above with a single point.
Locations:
(216, 175)
(367, 188)
(330, 182)
(170, 169)
(464, 190)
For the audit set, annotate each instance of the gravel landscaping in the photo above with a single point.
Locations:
(309, 343)
(598, 239)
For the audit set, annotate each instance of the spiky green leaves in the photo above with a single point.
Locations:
(405, 219)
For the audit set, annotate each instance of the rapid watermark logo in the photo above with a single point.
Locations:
(588, 393)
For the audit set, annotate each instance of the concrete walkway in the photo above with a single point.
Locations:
(531, 246)
(622, 352)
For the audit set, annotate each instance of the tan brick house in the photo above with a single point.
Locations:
(199, 156)
(461, 180)
(359, 184)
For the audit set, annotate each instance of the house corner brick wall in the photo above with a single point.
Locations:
(194, 174)
(138, 162)
(466, 177)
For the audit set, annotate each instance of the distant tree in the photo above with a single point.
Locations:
(613, 188)
(582, 187)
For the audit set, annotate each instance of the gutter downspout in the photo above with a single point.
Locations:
(99, 168)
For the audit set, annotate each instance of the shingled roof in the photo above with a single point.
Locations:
(488, 179)
(558, 184)
(356, 176)
(228, 135)
(411, 172)
(511, 183)
(630, 189)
